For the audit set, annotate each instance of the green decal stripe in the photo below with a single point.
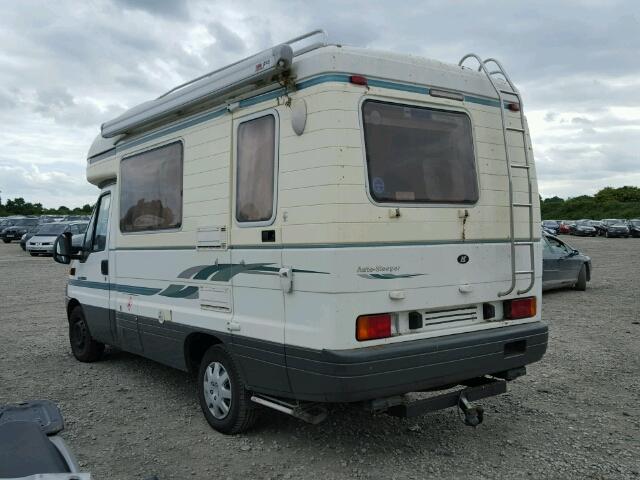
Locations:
(180, 291)
(133, 289)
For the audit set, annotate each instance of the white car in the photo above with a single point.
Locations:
(42, 241)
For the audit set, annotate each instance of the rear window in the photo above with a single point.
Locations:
(419, 155)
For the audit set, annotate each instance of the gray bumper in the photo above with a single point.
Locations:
(375, 372)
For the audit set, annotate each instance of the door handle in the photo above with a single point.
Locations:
(104, 267)
(286, 279)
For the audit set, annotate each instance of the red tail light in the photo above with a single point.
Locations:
(358, 80)
(370, 327)
(520, 308)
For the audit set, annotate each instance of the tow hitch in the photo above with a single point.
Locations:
(475, 390)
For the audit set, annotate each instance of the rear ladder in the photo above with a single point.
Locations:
(526, 166)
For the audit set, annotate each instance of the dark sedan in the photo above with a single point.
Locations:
(563, 265)
(19, 228)
(614, 227)
(634, 227)
(582, 228)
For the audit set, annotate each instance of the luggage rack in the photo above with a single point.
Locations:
(526, 166)
(217, 86)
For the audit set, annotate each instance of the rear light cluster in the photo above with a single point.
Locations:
(520, 308)
(371, 327)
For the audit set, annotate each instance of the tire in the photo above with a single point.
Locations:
(6, 240)
(581, 284)
(84, 347)
(220, 373)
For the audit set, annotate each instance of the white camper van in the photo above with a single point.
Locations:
(314, 224)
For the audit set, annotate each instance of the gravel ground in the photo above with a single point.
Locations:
(575, 415)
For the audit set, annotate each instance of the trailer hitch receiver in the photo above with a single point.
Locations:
(473, 415)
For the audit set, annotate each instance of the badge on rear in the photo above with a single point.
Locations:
(463, 258)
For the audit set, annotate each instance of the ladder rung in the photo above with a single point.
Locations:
(521, 204)
(519, 165)
(514, 129)
(524, 272)
(523, 243)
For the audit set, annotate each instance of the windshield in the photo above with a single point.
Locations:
(52, 229)
(24, 222)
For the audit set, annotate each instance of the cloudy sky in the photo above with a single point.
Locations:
(67, 66)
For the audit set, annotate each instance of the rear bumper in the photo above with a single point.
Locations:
(375, 372)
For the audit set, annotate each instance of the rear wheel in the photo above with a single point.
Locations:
(581, 284)
(84, 347)
(223, 397)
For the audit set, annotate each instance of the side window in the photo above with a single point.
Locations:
(151, 190)
(73, 229)
(255, 171)
(557, 246)
(102, 225)
(545, 245)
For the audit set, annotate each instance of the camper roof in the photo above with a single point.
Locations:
(302, 58)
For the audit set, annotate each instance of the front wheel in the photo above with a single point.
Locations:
(581, 284)
(84, 347)
(223, 397)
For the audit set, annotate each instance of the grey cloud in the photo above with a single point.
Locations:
(581, 121)
(51, 187)
(177, 9)
(226, 39)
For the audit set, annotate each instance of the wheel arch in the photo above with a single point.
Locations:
(71, 304)
(586, 266)
(195, 346)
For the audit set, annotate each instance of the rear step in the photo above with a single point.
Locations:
(305, 411)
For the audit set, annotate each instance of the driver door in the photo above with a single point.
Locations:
(93, 276)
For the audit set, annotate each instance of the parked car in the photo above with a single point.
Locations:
(42, 241)
(615, 227)
(19, 228)
(599, 226)
(582, 228)
(634, 227)
(563, 227)
(563, 265)
(550, 226)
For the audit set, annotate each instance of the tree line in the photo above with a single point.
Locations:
(18, 206)
(623, 202)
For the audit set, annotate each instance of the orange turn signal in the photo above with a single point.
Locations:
(370, 327)
(520, 308)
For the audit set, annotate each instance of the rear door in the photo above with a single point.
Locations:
(93, 280)
(256, 257)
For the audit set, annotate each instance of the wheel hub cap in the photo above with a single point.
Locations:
(217, 390)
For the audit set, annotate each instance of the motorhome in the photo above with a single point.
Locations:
(315, 224)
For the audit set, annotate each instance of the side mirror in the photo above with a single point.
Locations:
(573, 253)
(63, 250)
